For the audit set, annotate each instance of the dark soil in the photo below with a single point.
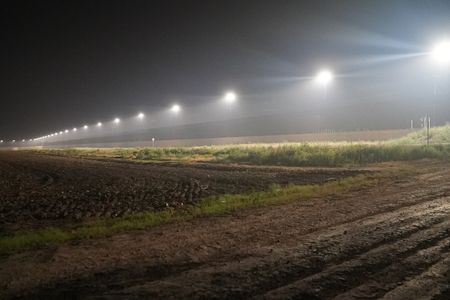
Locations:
(42, 189)
(390, 241)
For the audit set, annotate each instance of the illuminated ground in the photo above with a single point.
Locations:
(387, 239)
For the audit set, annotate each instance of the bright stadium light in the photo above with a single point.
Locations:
(140, 116)
(116, 121)
(175, 108)
(230, 97)
(441, 52)
(85, 127)
(99, 124)
(1, 141)
(66, 131)
(324, 77)
(74, 129)
(23, 141)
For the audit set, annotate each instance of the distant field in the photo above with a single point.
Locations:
(318, 154)
(322, 136)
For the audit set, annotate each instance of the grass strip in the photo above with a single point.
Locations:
(212, 206)
(329, 154)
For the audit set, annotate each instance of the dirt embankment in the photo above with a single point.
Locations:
(390, 241)
(45, 190)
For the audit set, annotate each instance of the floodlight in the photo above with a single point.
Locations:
(74, 129)
(66, 131)
(60, 132)
(441, 52)
(175, 108)
(99, 124)
(85, 127)
(1, 141)
(140, 116)
(230, 97)
(116, 121)
(324, 77)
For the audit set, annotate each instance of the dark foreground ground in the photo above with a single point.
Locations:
(41, 190)
(391, 241)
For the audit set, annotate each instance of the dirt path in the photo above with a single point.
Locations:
(391, 241)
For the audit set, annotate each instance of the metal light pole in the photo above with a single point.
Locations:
(441, 55)
(324, 78)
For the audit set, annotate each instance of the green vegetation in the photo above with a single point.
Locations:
(208, 207)
(438, 135)
(411, 147)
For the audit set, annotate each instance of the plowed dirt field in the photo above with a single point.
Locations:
(390, 241)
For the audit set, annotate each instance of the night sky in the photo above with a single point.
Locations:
(75, 62)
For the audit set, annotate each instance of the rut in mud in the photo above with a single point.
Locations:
(390, 241)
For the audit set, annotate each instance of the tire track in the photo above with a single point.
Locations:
(339, 278)
(377, 284)
(431, 284)
(268, 271)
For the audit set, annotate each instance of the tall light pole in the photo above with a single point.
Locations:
(175, 108)
(441, 55)
(324, 78)
(230, 98)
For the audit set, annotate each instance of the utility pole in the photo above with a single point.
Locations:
(426, 124)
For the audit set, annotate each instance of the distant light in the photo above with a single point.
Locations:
(23, 141)
(230, 97)
(116, 121)
(74, 129)
(441, 52)
(175, 108)
(31, 140)
(140, 116)
(324, 77)
(99, 124)
(66, 131)
(55, 133)
(13, 141)
(60, 132)
(85, 127)
(1, 141)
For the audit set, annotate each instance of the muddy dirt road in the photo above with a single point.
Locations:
(39, 190)
(390, 241)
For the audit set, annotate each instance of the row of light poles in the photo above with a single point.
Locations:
(440, 53)
(229, 98)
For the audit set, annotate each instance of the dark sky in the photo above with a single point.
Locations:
(71, 62)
